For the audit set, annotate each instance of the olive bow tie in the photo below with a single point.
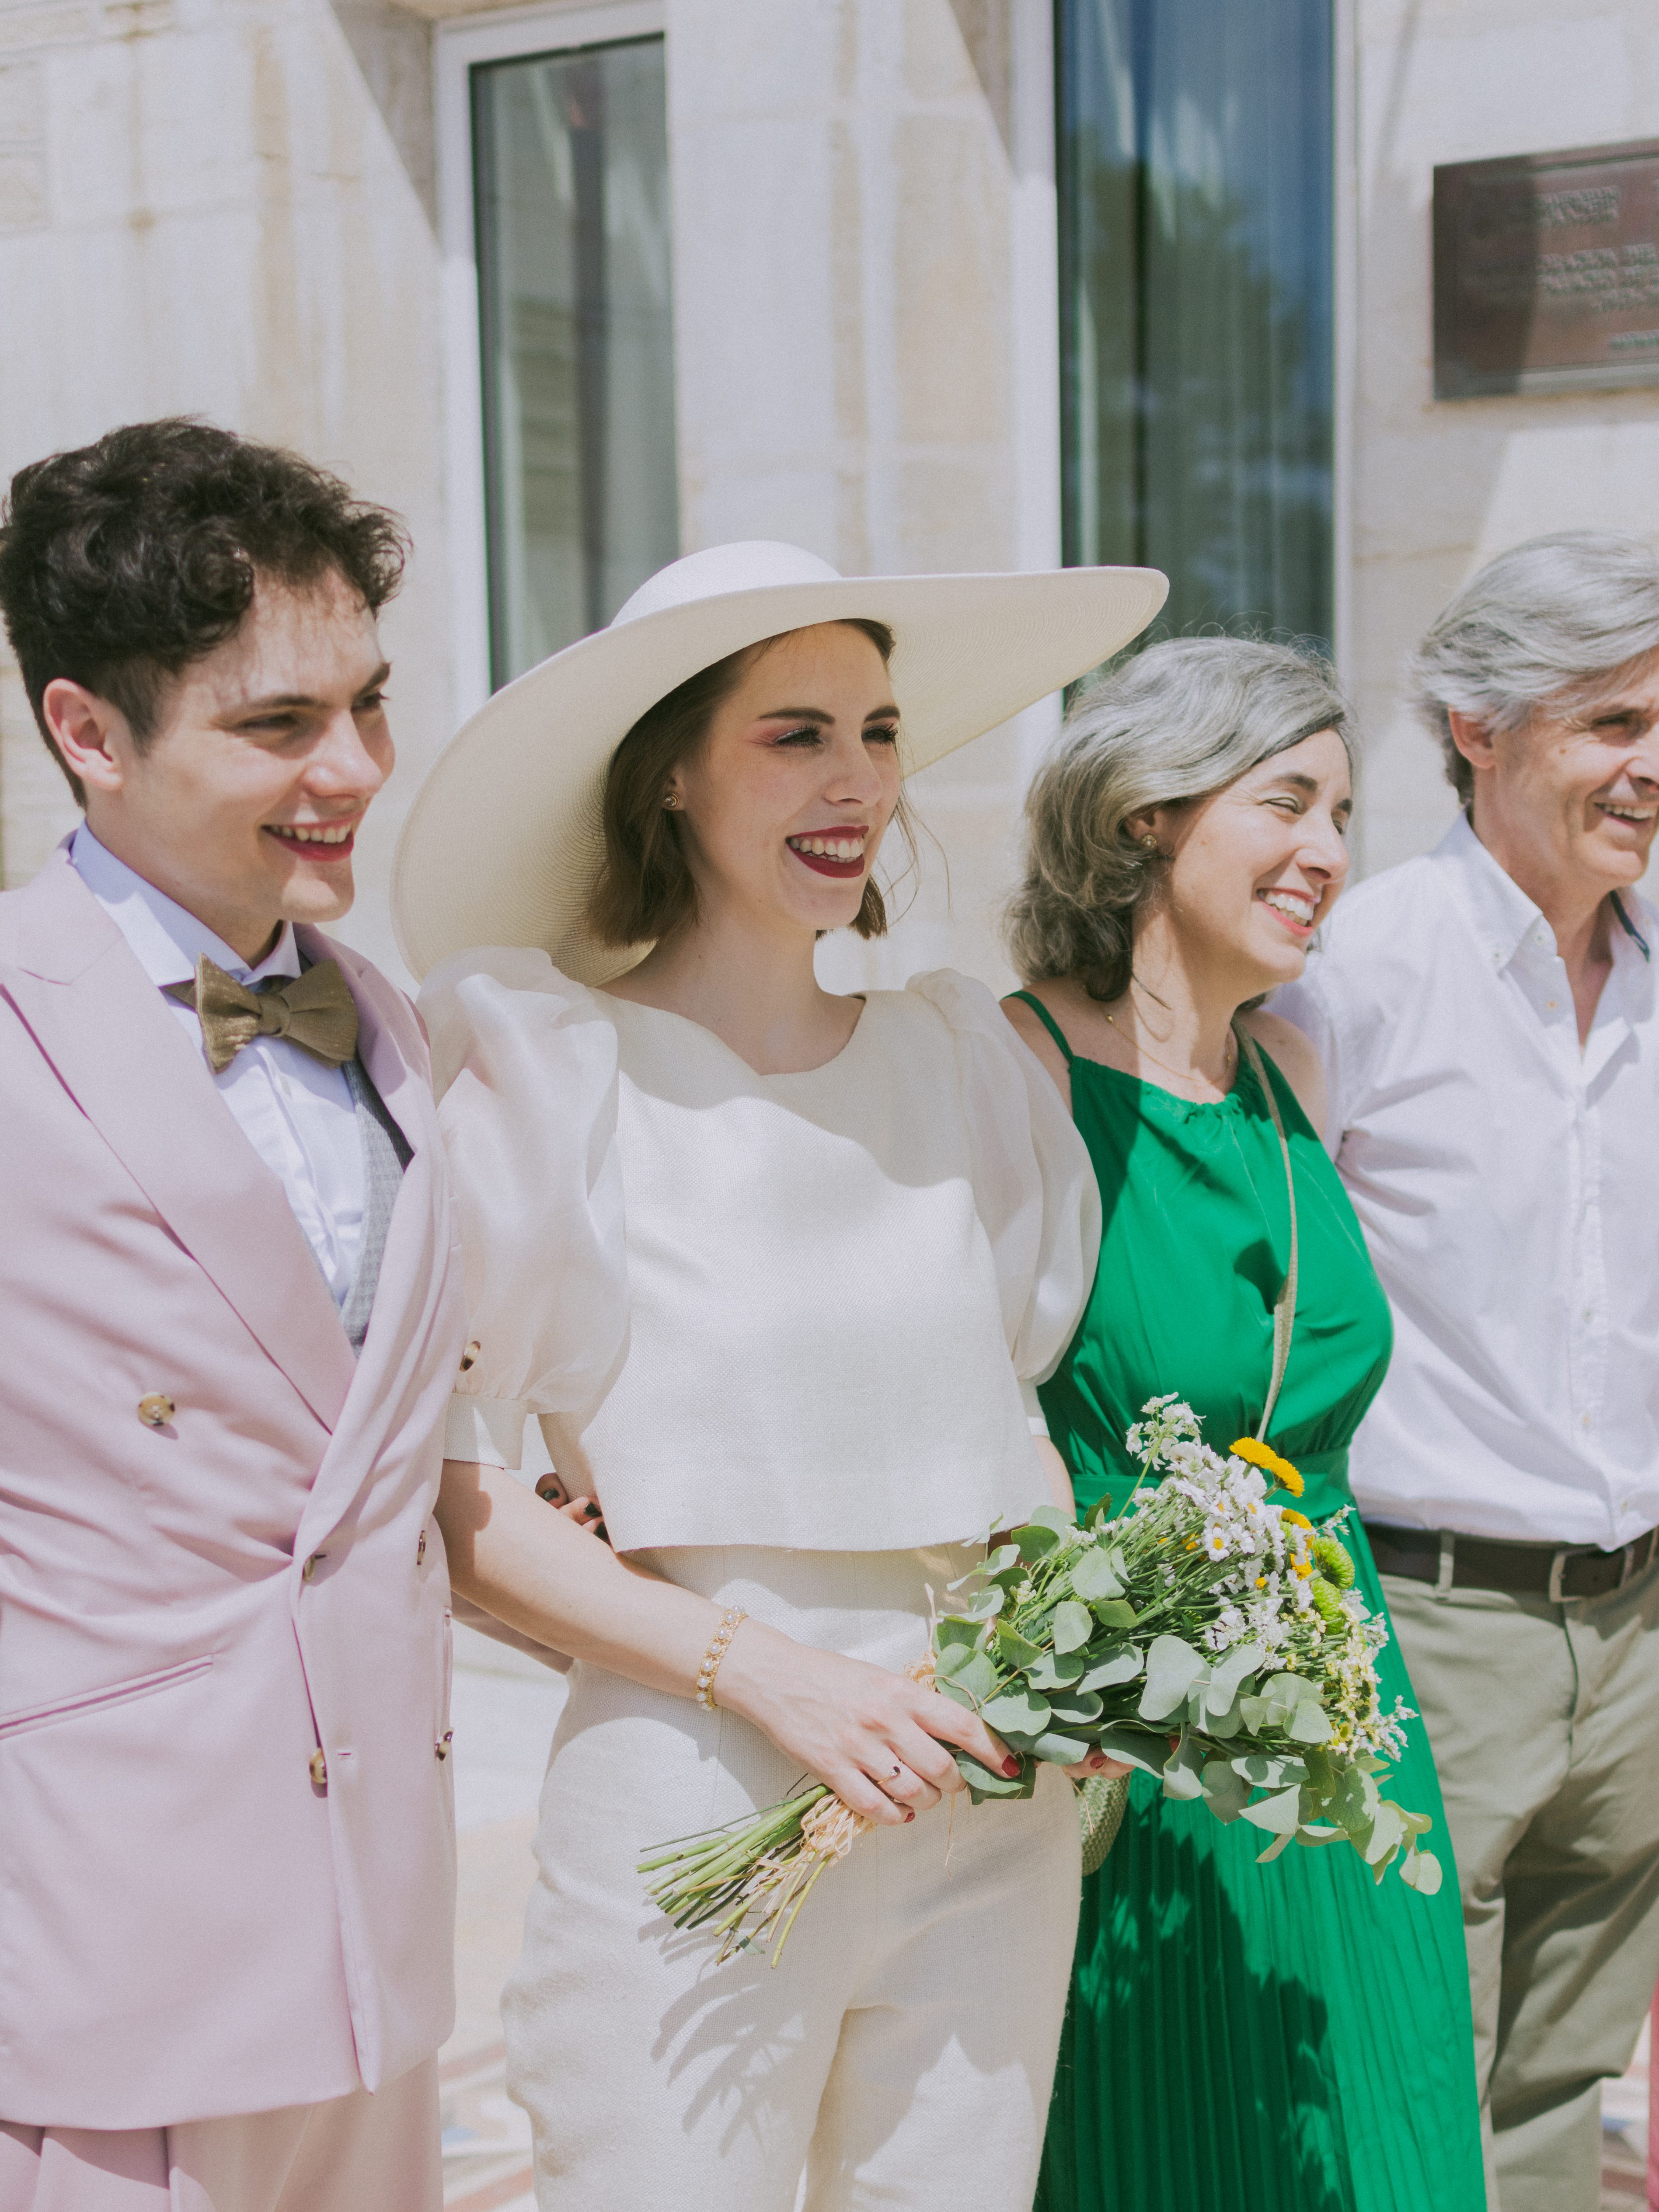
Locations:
(315, 1011)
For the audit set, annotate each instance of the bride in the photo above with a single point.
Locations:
(771, 1266)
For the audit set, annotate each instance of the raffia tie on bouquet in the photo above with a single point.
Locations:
(758, 1909)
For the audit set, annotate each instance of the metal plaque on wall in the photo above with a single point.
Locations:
(1546, 272)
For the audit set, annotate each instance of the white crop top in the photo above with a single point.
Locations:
(790, 1310)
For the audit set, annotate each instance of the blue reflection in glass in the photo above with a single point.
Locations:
(1195, 188)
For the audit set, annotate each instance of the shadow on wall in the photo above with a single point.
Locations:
(392, 49)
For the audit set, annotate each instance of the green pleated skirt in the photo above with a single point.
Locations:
(1291, 2038)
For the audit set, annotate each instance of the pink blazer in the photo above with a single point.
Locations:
(191, 1925)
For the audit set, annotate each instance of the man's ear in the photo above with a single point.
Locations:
(91, 735)
(1471, 737)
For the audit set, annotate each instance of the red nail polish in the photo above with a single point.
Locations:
(1010, 1767)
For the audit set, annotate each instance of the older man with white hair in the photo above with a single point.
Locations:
(1487, 1019)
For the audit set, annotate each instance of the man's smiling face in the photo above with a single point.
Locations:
(1575, 794)
(244, 803)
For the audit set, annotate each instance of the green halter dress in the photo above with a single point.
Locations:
(1290, 2038)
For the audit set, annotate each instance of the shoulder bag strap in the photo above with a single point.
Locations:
(1285, 1304)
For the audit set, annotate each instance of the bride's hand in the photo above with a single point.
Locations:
(882, 1742)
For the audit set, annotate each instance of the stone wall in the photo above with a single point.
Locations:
(225, 208)
(1441, 486)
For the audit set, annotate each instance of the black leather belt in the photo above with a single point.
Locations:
(1547, 1570)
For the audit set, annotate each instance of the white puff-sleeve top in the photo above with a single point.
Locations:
(788, 1310)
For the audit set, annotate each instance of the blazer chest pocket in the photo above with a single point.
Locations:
(85, 1703)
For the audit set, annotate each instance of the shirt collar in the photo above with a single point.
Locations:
(165, 938)
(1508, 922)
(1505, 918)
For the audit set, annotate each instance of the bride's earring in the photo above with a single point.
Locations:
(1148, 840)
(670, 798)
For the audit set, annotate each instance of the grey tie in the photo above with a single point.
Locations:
(385, 1155)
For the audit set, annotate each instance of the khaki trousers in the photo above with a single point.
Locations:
(359, 2153)
(1545, 1723)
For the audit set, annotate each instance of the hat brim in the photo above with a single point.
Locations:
(504, 842)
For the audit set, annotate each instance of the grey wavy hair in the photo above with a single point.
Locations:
(1560, 620)
(1176, 723)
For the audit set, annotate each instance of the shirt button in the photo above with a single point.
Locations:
(470, 1354)
(156, 1409)
(441, 1747)
(319, 1770)
(419, 1549)
(310, 1566)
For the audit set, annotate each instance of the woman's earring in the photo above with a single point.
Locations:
(1148, 840)
(670, 798)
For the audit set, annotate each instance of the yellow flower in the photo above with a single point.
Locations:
(1258, 1454)
(1297, 1520)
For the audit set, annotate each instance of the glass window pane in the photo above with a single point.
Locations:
(1195, 179)
(572, 192)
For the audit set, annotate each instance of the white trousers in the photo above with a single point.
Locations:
(900, 2055)
(359, 2153)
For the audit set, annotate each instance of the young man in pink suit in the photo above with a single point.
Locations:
(231, 1325)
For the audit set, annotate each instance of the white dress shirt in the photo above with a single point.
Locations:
(1506, 1182)
(296, 1111)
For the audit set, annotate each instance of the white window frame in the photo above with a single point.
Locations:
(459, 47)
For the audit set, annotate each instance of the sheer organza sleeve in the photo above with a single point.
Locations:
(1033, 1183)
(525, 1068)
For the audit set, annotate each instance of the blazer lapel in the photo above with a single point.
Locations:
(128, 1065)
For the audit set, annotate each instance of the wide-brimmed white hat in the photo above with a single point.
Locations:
(504, 842)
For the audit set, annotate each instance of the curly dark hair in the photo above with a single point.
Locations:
(123, 561)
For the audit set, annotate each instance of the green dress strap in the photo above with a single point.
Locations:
(1047, 1020)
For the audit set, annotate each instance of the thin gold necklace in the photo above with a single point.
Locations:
(1227, 1056)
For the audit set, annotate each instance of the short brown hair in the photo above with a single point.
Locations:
(123, 561)
(645, 889)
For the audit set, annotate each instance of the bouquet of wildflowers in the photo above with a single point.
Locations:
(1205, 1634)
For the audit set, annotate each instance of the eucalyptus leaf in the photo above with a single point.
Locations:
(955, 1636)
(1421, 1870)
(1016, 1707)
(1278, 1844)
(1072, 1626)
(1061, 1750)
(1183, 1772)
(984, 1603)
(1117, 1662)
(1227, 1680)
(1094, 1577)
(1004, 1556)
(1267, 1772)
(1115, 1613)
(1055, 1517)
(1388, 1834)
(1150, 1753)
(1055, 1671)
(1077, 1707)
(1172, 1669)
(1015, 1650)
(983, 1782)
(1037, 1541)
(1281, 1816)
(1225, 1792)
(1309, 1723)
(975, 1680)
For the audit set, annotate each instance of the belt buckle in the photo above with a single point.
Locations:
(1558, 1562)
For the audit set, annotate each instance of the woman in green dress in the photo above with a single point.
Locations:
(1294, 2037)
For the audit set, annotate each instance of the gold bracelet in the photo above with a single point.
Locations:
(716, 1653)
